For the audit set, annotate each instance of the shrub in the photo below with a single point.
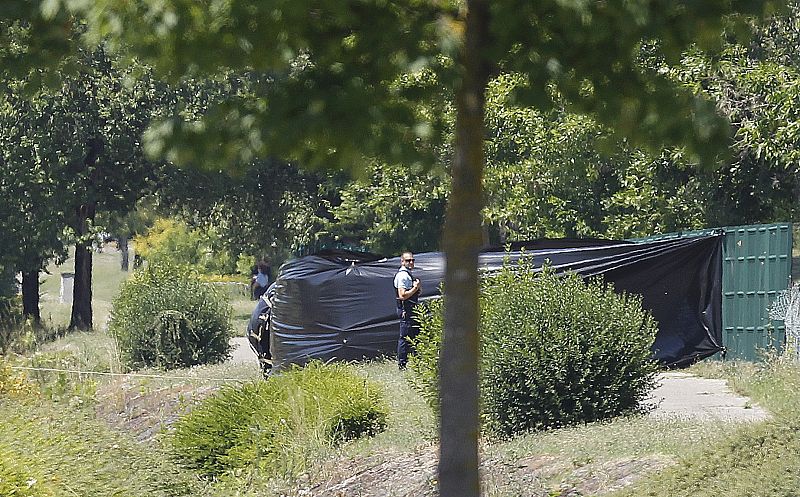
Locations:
(555, 350)
(277, 425)
(166, 317)
(173, 242)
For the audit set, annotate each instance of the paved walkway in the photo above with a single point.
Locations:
(242, 353)
(685, 396)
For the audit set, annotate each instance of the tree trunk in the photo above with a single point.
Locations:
(459, 424)
(30, 296)
(82, 291)
(123, 247)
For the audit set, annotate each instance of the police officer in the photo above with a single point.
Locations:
(408, 289)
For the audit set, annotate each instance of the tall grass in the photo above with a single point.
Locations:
(277, 426)
(59, 449)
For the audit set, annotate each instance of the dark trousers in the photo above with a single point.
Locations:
(408, 329)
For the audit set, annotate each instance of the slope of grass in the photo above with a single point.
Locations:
(63, 451)
(536, 464)
(85, 453)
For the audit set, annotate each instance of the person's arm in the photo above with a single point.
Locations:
(404, 294)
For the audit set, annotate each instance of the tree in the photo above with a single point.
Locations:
(393, 209)
(331, 97)
(75, 148)
(126, 225)
(32, 214)
(756, 83)
(269, 208)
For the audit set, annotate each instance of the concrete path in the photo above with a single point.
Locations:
(241, 352)
(685, 396)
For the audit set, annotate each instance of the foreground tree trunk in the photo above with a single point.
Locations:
(82, 290)
(460, 426)
(30, 296)
(123, 247)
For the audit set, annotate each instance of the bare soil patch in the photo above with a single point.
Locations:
(414, 475)
(143, 412)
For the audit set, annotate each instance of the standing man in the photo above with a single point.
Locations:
(262, 277)
(407, 297)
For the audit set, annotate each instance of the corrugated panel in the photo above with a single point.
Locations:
(756, 265)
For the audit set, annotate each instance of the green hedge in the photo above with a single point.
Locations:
(555, 351)
(279, 424)
(166, 317)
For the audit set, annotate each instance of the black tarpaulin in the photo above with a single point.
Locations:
(341, 305)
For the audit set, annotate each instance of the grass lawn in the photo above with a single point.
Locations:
(101, 424)
(62, 449)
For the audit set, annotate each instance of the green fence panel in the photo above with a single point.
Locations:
(757, 265)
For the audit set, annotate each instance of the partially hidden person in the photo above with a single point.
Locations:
(408, 289)
(261, 279)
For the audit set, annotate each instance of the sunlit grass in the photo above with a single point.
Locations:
(107, 276)
(66, 452)
(756, 459)
(680, 457)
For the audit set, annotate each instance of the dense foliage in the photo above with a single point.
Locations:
(166, 317)
(270, 425)
(555, 350)
(173, 242)
(268, 211)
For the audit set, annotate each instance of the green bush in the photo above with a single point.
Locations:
(279, 424)
(166, 317)
(555, 351)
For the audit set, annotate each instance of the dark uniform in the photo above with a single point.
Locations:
(409, 326)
